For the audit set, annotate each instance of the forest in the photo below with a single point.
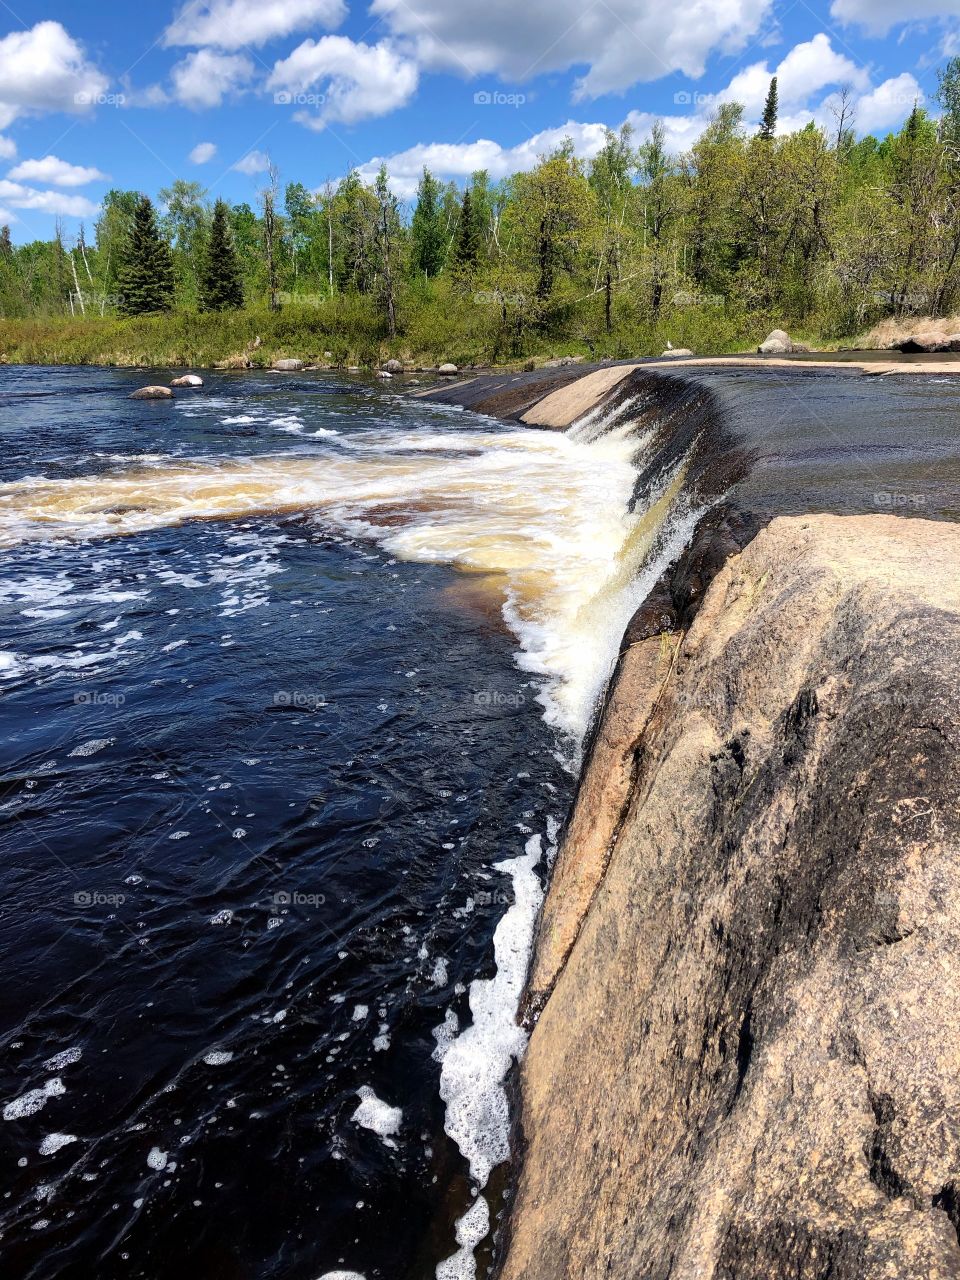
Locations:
(821, 231)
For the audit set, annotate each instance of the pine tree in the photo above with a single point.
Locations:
(467, 249)
(768, 124)
(426, 228)
(146, 278)
(221, 288)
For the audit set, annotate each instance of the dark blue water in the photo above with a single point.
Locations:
(251, 801)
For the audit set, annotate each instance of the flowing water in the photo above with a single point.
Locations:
(294, 675)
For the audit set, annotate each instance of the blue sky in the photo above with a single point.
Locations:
(135, 96)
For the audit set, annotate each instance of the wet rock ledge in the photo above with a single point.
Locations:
(746, 1063)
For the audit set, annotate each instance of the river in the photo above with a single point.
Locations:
(295, 672)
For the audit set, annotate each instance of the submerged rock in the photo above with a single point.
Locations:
(746, 1069)
(152, 393)
(187, 380)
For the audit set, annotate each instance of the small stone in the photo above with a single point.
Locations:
(187, 380)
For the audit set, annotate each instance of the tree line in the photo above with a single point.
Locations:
(820, 227)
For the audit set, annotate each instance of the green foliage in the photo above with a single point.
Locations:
(427, 231)
(221, 288)
(146, 277)
(822, 234)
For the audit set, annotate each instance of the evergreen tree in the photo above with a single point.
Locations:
(768, 124)
(426, 228)
(466, 251)
(6, 245)
(146, 278)
(221, 288)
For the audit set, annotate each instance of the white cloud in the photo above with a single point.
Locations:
(878, 16)
(22, 197)
(807, 68)
(203, 78)
(355, 81)
(8, 148)
(203, 153)
(620, 42)
(252, 163)
(888, 104)
(460, 159)
(45, 69)
(7, 215)
(59, 172)
(230, 24)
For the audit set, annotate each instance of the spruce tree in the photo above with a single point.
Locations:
(146, 278)
(467, 249)
(768, 124)
(426, 228)
(221, 288)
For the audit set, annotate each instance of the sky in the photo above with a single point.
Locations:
(135, 96)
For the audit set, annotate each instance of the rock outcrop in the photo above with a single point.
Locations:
(748, 1066)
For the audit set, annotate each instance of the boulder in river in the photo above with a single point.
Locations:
(152, 393)
(778, 343)
(383, 373)
(288, 366)
(448, 370)
(393, 366)
(187, 380)
(745, 1063)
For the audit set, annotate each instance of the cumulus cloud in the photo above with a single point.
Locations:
(806, 70)
(620, 42)
(202, 79)
(354, 81)
(21, 197)
(203, 153)
(45, 69)
(230, 24)
(459, 160)
(8, 148)
(878, 16)
(252, 163)
(887, 105)
(60, 172)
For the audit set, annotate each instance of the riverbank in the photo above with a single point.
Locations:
(346, 332)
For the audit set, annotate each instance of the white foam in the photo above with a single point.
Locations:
(91, 747)
(476, 1063)
(157, 1159)
(65, 1058)
(470, 1230)
(53, 1142)
(377, 1116)
(341, 1275)
(29, 1104)
(218, 1057)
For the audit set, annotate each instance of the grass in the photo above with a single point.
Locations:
(436, 326)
